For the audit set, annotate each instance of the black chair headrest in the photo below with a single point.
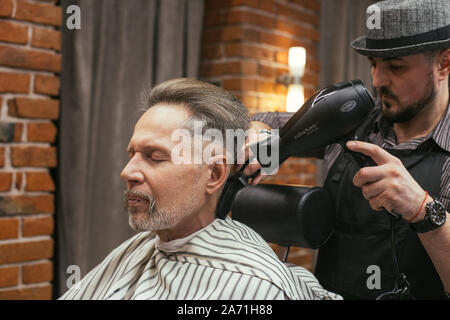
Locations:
(287, 215)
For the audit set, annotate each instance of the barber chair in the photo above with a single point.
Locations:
(286, 215)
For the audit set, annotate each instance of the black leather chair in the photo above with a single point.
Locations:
(286, 215)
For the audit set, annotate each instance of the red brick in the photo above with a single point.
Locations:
(41, 132)
(9, 228)
(39, 13)
(215, 69)
(267, 5)
(33, 156)
(265, 86)
(6, 8)
(39, 181)
(13, 32)
(38, 272)
(212, 19)
(5, 181)
(46, 84)
(296, 14)
(10, 205)
(295, 29)
(14, 82)
(29, 59)
(18, 129)
(10, 132)
(213, 51)
(9, 276)
(229, 33)
(35, 293)
(249, 51)
(212, 5)
(266, 71)
(249, 101)
(309, 4)
(22, 107)
(240, 84)
(281, 41)
(2, 157)
(248, 17)
(26, 251)
(46, 38)
(37, 226)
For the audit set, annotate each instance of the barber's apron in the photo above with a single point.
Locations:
(360, 247)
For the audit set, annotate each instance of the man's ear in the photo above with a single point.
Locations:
(218, 169)
(444, 64)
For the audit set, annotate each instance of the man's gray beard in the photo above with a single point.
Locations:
(406, 113)
(154, 218)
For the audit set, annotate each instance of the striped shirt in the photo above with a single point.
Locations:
(224, 260)
(383, 135)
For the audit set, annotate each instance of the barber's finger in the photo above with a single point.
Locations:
(252, 168)
(258, 179)
(372, 190)
(368, 175)
(378, 155)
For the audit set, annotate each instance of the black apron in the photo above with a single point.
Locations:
(362, 235)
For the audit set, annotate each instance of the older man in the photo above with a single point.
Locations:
(409, 57)
(183, 251)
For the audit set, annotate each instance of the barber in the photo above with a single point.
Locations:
(409, 141)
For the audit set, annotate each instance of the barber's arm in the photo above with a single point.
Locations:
(390, 186)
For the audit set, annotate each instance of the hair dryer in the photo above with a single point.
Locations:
(334, 114)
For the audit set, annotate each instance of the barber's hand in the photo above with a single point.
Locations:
(254, 165)
(388, 185)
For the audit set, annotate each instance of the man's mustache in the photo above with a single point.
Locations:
(139, 194)
(385, 92)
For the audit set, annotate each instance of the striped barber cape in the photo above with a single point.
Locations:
(224, 260)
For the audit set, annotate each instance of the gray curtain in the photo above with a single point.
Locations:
(122, 47)
(342, 21)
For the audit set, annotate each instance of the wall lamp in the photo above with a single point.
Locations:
(296, 93)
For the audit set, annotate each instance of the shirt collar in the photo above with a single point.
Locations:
(440, 134)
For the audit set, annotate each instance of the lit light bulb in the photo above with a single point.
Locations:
(297, 61)
(295, 97)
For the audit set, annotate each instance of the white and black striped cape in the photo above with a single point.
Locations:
(225, 260)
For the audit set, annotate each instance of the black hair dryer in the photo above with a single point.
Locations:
(332, 115)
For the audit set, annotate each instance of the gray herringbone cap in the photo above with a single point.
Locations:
(406, 27)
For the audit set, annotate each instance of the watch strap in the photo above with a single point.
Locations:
(426, 225)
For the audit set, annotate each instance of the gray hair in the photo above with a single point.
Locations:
(215, 107)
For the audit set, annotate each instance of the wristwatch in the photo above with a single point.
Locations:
(434, 218)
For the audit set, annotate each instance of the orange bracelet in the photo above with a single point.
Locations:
(420, 209)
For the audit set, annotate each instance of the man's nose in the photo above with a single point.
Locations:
(379, 78)
(132, 172)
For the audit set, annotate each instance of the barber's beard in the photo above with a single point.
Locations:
(406, 112)
(155, 218)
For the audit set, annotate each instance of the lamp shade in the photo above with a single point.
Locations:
(297, 61)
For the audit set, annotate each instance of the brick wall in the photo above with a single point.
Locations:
(30, 61)
(245, 49)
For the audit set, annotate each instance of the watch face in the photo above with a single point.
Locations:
(437, 213)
